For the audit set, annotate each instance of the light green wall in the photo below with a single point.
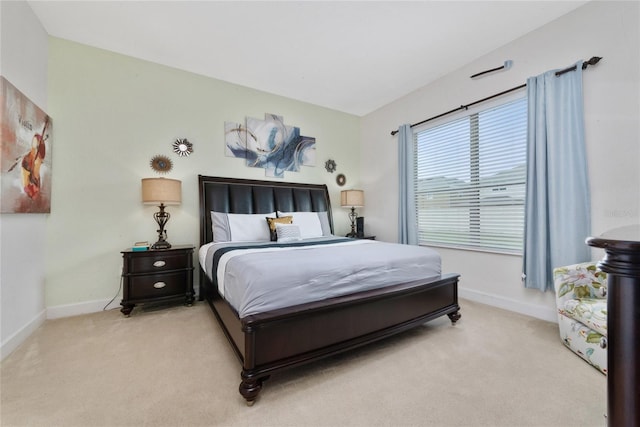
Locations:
(111, 115)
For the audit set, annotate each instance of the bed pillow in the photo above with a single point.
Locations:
(288, 233)
(220, 225)
(310, 223)
(324, 223)
(271, 222)
(229, 227)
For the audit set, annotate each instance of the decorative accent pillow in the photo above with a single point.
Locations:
(288, 233)
(229, 227)
(272, 225)
(309, 223)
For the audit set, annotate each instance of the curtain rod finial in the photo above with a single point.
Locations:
(592, 61)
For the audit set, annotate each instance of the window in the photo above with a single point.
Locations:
(470, 180)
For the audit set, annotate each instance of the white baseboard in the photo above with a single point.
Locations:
(76, 309)
(67, 310)
(537, 311)
(14, 341)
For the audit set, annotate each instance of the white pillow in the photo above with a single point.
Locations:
(288, 233)
(324, 222)
(309, 223)
(220, 226)
(240, 227)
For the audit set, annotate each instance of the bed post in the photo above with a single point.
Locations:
(250, 387)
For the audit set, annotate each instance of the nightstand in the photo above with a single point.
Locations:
(157, 276)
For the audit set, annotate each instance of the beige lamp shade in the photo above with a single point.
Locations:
(161, 190)
(352, 198)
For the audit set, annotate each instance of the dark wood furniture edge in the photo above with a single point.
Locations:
(622, 265)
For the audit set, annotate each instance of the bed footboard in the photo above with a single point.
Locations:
(271, 342)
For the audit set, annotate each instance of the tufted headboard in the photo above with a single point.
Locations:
(234, 195)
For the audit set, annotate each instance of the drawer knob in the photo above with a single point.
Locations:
(159, 285)
(159, 263)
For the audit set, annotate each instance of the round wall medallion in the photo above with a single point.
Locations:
(330, 166)
(182, 147)
(161, 164)
(341, 179)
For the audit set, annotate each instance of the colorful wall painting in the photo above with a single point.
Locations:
(269, 144)
(25, 153)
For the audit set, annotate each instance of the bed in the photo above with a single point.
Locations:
(272, 339)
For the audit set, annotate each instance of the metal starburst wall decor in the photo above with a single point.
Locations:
(161, 164)
(182, 147)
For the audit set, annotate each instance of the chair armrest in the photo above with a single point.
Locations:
(579, 281)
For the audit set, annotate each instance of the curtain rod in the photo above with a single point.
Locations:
(594, 60)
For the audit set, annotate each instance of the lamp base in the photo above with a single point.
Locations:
(352, 217)
(161, 244)
(161, 218)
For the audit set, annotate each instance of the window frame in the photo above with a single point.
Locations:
(474, 143)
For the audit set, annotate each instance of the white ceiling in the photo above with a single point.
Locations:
(353, 57)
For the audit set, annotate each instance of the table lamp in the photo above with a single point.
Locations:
(165, 192)
(352, 199)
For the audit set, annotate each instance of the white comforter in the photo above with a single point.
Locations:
(259, 279)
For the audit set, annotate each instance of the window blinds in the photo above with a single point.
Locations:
(470, 180)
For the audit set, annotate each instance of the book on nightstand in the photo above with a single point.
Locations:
(140, 246)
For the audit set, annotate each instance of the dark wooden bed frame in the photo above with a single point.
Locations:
(268, 343)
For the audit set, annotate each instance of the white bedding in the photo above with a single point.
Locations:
(259, 279)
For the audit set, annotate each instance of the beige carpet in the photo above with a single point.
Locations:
(174, 367)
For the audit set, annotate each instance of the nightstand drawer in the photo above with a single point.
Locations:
(157, 262)
(157, 285)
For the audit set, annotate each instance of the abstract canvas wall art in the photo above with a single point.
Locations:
(269, 144)
(25, 153)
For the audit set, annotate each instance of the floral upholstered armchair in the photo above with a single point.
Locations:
(581, 297)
